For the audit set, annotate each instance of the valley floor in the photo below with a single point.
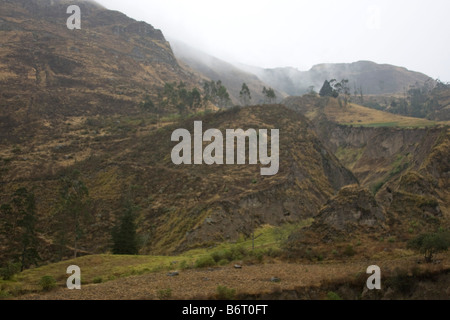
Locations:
(297, 281)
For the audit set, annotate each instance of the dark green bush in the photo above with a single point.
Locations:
(333, 296)
(98, 280)
(47, 283)
(206, 261)
(225, 293)
(10, 270)
(349, 251)
(430, 244)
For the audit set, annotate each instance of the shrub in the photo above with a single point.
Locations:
(221, 255)
(349, 251)
(206, 261)
(333, 296)
(10, 270)
(430, 244)
(98, 280)
(238, 253)
(225, 293)
(223, 262)
(164, 294)
(184, 265)
(258, 254)
(47, 283)
(4, 294)
(274, 253)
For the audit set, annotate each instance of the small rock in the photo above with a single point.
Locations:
(237, 266)
(275, 279)
(174, 262)
(173, 274)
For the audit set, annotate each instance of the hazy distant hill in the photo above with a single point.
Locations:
(371, 77)
(216, 69)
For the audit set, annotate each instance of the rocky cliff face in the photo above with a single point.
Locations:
(405, 168)
(353, 207)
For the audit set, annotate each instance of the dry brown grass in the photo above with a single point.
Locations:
(250, 280)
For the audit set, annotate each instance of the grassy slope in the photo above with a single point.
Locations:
(357, 115)
(109, 267)
(144, 277)
(353, 114)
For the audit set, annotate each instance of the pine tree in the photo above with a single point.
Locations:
(26, 202)
(73, 209)
(269, 95)
(19, 224)
(245, 95)
(124, 235)
(327, 90)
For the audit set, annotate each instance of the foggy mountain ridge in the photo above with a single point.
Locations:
(216, 69)
(371, 77)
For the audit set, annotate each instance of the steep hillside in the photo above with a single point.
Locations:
(371, 77)
(48, 72)
(216, 69)
(180, 206)
(405, 168)
(375, 145)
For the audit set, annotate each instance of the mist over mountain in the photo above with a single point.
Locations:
(216, 69)
(372, 78)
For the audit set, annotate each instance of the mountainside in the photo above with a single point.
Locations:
(216, 69)
(89, 128)
(404, 168)
(370, 77)
(181, 206)
(48, 71)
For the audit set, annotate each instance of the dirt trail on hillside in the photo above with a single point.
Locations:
(202, 284)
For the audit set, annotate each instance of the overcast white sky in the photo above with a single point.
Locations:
(301, 33)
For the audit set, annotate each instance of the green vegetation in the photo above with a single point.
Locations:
(349, 251)
(124, 236)
(47, 283)
(177, 96)
(10, 270)
(72, 212)
(164, 294)
(333, 296)
(97, 280)
(430, 244)
(105, 267)
(327, 90)
(245, 95)
(336, 89)
(205, 261)
(216, 93)
(18, 224)
(225, 293)
(148, 105)
(269, 95)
